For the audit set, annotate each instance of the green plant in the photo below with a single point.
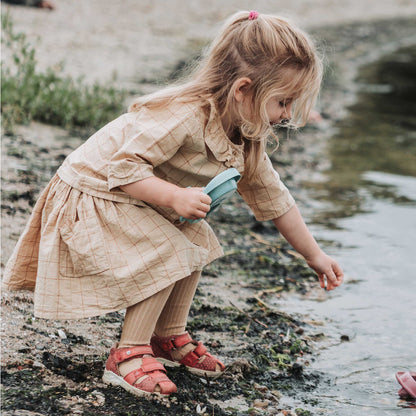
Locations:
(282, 361)
(302, 412)
(49, 97)
(296, 347)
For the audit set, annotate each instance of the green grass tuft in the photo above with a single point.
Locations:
(49, 97)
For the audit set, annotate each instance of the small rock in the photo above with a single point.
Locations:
(345, 338)
(273, 396)
(99, 398)
(261, 404)
(299, 330)
(28, 362)
(260, 388)
(276, 393)
(61, 334)
(38, 364)
(200, 410)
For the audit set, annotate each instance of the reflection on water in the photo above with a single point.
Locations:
(371, 191)
(379, 135)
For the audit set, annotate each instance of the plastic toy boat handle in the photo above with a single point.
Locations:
(407, 380)
(220, 188)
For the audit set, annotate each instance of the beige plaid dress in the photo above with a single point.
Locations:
(89, 248)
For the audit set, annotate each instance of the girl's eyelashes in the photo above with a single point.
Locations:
(284, 103)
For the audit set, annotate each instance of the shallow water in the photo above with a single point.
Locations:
(367, 204)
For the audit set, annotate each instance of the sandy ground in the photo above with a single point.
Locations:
(135, 40)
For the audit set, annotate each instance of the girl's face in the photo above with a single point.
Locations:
(278, 110)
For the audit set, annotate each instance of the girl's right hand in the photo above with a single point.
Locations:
(327, 269)
(191, 203)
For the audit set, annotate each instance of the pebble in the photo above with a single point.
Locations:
(200, 410)
(299, 330)
(272, 397)
(99, 398)
(37, 364)
(61, 334)
(258, 387)
(261, 404)
(276, 393)
(40, 347)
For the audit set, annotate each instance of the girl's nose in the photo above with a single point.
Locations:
(288, 111)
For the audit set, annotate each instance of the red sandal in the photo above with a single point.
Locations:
(199, 361)
(153, 369)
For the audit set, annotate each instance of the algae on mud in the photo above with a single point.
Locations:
(260, 347)
(44, 372)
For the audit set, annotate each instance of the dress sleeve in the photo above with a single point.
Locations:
(153, 141)
(265, 193)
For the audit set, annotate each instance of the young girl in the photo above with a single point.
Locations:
(106, 233)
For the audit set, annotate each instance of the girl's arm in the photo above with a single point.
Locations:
(295, 231)
(189, 203)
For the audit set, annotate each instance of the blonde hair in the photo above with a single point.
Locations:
(279, 59)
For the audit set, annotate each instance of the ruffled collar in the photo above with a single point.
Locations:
(224, 150)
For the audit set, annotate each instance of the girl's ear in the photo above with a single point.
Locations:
(241, 86)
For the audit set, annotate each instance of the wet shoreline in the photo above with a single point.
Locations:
(267, 351)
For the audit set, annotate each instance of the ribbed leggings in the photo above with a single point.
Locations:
(165, 313)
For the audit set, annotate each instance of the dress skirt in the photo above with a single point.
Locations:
(86, 256)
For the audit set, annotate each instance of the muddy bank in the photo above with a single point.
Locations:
(55, 368)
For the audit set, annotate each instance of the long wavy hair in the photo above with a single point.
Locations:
(280, 60)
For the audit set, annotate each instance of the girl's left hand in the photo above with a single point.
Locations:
(327, 270)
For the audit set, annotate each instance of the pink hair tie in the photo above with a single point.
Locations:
(253, 15)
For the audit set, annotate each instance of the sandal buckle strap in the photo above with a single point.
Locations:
(190, 359)
(150, 364)
(182, 340)
(200, 350)
(123, 354)
(134, 375)
(173, 343)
